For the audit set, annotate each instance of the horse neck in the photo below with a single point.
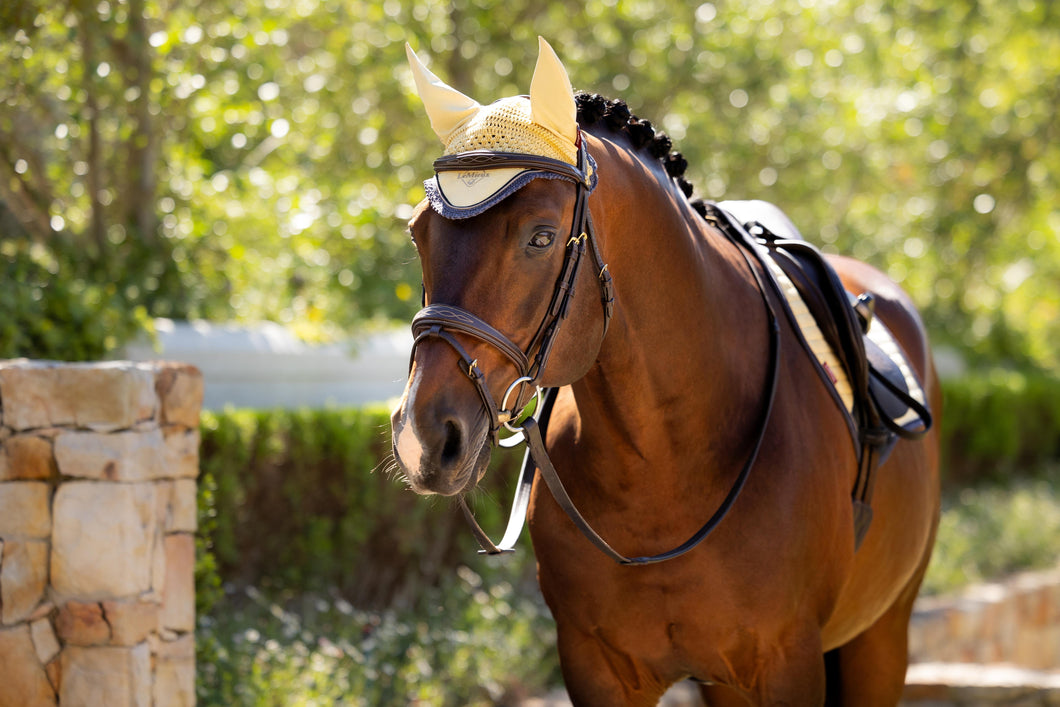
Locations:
(683, 366)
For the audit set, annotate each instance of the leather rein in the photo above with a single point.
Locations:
(442, 321)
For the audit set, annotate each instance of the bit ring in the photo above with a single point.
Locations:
(508, 415)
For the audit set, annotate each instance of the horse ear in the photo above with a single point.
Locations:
(447, 108)
(551, 96)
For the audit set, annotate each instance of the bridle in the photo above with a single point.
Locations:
(441, 321)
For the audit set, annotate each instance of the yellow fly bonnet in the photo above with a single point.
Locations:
(542, 124)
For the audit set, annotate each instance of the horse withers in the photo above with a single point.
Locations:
(696, 519)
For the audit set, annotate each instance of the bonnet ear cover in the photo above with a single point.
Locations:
(447, 108)
(551, 96)
(543, 125)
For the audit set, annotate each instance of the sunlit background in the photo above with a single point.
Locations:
(243, 161)
(258, 161)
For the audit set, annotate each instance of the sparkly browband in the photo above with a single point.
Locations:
(524, 168)
(485, 159)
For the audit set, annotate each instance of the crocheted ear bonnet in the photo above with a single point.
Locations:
(542, 124)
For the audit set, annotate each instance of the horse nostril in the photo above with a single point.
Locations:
(451, 449)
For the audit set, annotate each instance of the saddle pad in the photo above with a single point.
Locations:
(884, 353)
(815, 340)
(880, 371)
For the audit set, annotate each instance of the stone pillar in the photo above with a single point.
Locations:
(98, 467)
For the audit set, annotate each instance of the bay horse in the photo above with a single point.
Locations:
(680, 390)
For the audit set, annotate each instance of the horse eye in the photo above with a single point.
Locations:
(542, 239)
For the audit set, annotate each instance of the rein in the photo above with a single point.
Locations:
(536, 452)
(441, 320)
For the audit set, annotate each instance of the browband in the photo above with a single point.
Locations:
(486, 159)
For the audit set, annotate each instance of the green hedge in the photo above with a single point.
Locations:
(998, 424)
(304, 500)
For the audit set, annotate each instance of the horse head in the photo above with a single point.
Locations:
(500, 240)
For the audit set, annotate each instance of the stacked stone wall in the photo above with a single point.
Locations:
(98, 467)
(1015, 621)
(993, 644)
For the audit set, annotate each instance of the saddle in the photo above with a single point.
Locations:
(876, 387)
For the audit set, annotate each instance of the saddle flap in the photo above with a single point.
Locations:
(888, 403)
(827, 301)
(893, 387)
(885, 388)
(888, 399)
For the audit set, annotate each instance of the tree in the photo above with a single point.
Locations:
(259, 160)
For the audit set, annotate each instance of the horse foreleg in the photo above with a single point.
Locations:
(870, 669)
(596, 672)
(872, 666)
(785, 672)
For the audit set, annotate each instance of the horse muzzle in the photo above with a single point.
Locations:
(441, 438)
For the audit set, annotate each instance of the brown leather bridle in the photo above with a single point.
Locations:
(441, 321)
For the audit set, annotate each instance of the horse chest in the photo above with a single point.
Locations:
(654, 623)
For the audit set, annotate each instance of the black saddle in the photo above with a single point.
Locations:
(884, 406)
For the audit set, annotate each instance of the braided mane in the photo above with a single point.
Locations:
(593, 108)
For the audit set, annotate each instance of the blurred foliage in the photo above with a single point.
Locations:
(300, 500)
(304, 499)
(49, 316)
(990, 531)
(467, 643)
(998, 423)
(259, 160)
(321, 580)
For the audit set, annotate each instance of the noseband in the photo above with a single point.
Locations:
(442, 321)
